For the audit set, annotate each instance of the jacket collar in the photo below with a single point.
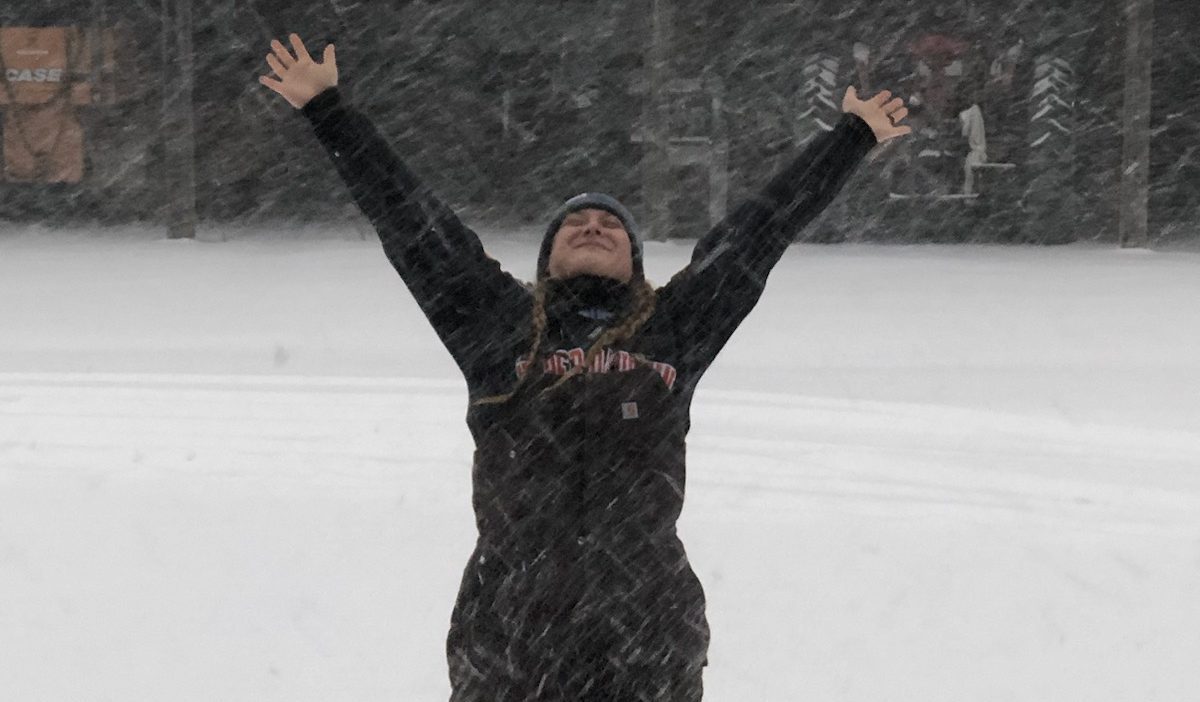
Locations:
(577, 306)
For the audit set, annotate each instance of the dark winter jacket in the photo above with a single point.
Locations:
(577, 490)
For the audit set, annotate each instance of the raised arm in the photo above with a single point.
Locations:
(707, 300)
(468, 299)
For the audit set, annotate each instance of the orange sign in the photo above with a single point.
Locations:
(44, 75)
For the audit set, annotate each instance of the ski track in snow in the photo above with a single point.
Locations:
(758, 455)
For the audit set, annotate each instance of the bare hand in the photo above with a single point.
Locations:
(881, 115)
(300, 79)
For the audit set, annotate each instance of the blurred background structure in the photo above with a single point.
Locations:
(1028, 116)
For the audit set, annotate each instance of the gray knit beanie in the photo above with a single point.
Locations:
(598, 201)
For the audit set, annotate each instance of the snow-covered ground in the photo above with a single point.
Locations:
(240, 471)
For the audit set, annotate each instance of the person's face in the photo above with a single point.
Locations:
(591, 241)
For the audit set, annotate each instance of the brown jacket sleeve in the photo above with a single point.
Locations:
(707, 300)
(464, 293)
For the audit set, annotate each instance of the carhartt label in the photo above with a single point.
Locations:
(629, 410)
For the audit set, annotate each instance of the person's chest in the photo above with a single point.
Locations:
(599, 346)
(567, 345)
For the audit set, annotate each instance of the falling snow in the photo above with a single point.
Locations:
(233, 461)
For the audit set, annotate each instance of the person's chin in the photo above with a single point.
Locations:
(590, 262)
(592, 267)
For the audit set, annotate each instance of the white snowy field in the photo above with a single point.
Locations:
(239, 471)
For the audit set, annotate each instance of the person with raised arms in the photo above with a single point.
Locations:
(580, 385)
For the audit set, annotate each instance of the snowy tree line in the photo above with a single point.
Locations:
(507, 108)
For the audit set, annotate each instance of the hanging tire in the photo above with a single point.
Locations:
(1050, 202)
(820, 108)
(820, 101)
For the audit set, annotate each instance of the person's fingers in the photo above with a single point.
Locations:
(329, 55)
(894, 105)
(901, 131)
(272, 83)
(276, 65)
(899, 114)
(277, 86)
(299, 48)
(852, 93)
(281, 52)
(881, 98)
